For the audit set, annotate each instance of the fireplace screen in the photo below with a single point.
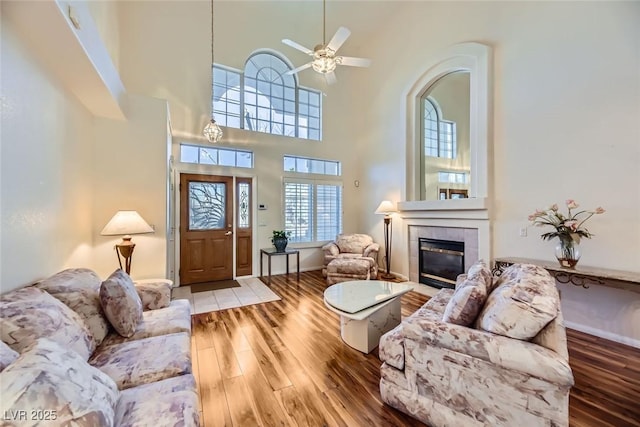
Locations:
(441, 261)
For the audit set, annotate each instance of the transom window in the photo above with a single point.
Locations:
(264, 98)
(307, 165)
(439, 134)
(216, 156)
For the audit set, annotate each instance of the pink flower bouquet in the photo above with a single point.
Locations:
(566, 226)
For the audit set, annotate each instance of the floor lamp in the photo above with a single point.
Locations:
(386, 208)
(126, 223)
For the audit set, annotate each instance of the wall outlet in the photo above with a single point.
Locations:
(523, 232)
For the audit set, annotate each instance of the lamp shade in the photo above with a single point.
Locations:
(385, 208)
(126, 222)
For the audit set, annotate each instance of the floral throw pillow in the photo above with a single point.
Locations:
(79, 289)
(154, 295)
(52, 385)
(525, 301)
(466, 303)
(470, 295)
(121, 303)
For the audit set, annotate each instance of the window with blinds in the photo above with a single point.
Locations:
(313, 210)
(328, 211)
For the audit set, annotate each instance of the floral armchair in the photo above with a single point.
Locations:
(352, 246)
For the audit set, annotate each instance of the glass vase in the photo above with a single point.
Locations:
(568, 252)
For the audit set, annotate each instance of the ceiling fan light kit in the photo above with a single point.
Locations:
(324, 56)
(324, 60)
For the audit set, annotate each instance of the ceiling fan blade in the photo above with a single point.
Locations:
(339, 38)
(297, 46)
(354, 62)
(330, 78)
(300, 68)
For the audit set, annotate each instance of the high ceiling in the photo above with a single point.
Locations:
(266, 23)
(164, 46)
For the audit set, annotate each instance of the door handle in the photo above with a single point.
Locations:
(228, 233)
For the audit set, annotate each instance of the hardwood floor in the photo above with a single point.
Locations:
(284, 363)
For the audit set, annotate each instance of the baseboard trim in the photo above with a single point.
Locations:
(603, 334)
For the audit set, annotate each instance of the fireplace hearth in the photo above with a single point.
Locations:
(440, 262)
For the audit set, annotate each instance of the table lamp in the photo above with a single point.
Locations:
(126, 223)
(386, 208)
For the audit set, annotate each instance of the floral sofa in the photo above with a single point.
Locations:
(491, 353)
(79, 351)
(348, 247)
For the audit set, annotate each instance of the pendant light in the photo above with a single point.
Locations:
(212, 131)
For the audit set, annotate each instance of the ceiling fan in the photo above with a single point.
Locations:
(324, 55)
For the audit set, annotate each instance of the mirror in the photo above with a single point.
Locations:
(445, 158)
(457, 84)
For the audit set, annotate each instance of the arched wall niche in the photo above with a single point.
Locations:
(476, 58)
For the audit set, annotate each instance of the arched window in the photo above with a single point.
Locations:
(439, 135)
(267, 99)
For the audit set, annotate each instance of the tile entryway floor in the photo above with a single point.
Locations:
(251, 291)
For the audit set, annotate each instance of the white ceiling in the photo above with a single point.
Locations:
(267, 22)
(164, 46)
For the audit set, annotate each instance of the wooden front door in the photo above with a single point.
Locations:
(206, 228)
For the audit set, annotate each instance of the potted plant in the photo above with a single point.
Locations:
(280, 239)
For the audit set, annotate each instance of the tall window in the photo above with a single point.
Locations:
(439, 134)
(266, 99)
(312, 207)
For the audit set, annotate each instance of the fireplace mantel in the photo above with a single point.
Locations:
(476, 203)
(468, 220)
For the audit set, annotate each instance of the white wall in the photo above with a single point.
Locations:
(130, 173)
(566, 109)
(65, 173)
(46, 157)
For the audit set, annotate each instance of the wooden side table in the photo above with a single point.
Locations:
(270, 252)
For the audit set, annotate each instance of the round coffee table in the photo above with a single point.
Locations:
(367, 309)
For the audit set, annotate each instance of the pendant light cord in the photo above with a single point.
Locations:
(212, 71)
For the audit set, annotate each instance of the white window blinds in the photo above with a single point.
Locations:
(313, 210)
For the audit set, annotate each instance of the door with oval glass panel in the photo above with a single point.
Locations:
(207, 228)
